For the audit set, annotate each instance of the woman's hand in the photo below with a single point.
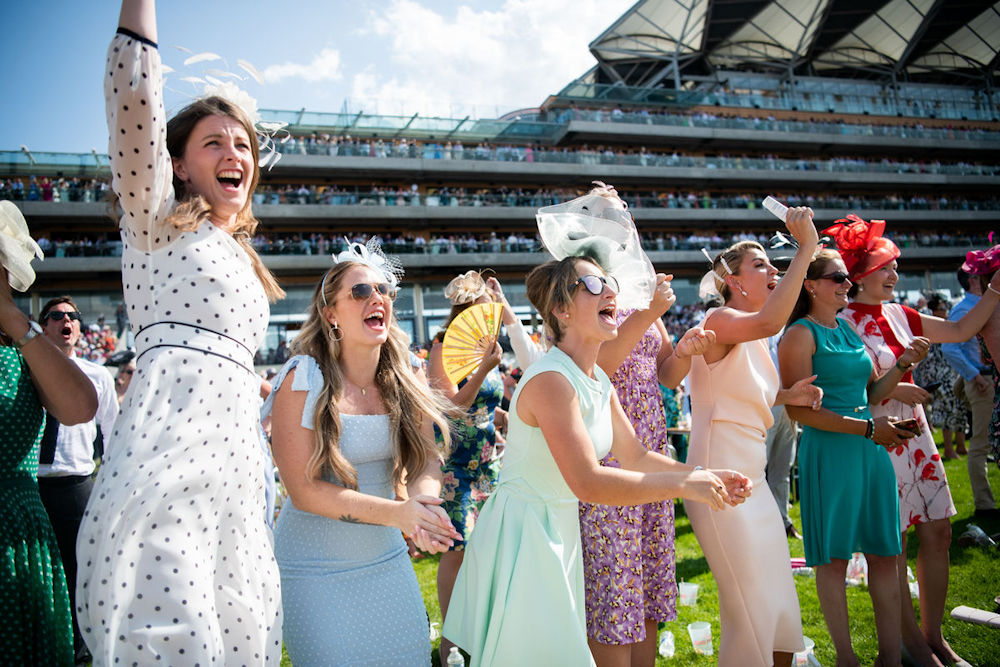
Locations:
(422, 512)
(888, 435)
(995, 282)
(738, 485)
(500, 420)
(799, 221)
(491, 359)
(694, 342)
(916, 351)
(910, 394)
(429, 542)
(494, 288)
(804, 393)
(704, 486)
(663, 294)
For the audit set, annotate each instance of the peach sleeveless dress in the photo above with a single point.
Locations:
(745, 546)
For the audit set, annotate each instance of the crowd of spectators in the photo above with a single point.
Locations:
(346, 145)
(97, 342)
(53, 189)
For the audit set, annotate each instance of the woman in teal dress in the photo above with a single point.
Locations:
(518, 599)
(848, 487)
(471, 469)
(35, 622)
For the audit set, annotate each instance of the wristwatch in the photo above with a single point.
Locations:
(34, 329)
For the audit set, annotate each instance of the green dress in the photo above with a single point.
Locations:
(518, 599)
(35, 625)
(849, 498)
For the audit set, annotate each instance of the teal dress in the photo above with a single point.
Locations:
(35, 622)
(849, 498)
(518, 599)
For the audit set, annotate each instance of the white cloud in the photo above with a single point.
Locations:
(325, 66)
(502, 59)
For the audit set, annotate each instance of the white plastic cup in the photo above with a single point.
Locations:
(701, 637)
(666, 644)
(801, 658)
(688, 593)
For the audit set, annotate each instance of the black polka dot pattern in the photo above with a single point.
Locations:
(175, 559)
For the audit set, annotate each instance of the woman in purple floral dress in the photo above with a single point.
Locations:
(628, 552)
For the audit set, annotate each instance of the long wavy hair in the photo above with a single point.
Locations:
(409, 401)
(192, 209)
(817, 267)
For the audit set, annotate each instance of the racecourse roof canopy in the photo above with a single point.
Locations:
(661, 42)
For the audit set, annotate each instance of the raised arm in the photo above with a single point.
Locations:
(462, 397)
(292, 446)
(142, 173)
(614, 352)
(991, 336)
(673, 362)
(952, 331)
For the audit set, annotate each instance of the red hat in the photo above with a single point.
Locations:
(982, 262)
(861, 245)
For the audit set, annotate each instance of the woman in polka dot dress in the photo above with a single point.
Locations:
(175, 556)
(35, 622)
(349, 421)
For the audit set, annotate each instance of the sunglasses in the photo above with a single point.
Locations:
(58, 315)
(363, 291)
(595, 284)
(837, 276)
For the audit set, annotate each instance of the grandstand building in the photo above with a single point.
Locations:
(694, 110)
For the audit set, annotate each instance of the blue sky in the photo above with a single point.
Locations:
(478, 57)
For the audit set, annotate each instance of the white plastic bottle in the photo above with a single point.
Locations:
(666, 645)
(455, 658)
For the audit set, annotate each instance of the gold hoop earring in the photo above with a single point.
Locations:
(336, 330)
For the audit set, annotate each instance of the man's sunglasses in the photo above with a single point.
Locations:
(58, 315)
(837, 276)
(363, 291)
(595, 284)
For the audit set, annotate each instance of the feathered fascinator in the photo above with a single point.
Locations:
(370, 254)
(465, 288)
(17, 248)
(598, 226)
(861, 245)
(982, 262)
(220, 82)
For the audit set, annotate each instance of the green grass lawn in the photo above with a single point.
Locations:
(974, 581)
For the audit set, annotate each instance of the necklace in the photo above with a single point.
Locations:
(826, 326)
(364, 390)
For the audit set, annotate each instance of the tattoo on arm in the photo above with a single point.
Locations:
(347, 518)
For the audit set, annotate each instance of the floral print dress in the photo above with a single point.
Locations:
(628, 552)
(472, 468)
(886, 330)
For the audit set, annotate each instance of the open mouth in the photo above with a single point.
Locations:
(771, 285)
(230, 178)
(376, 320)
(66, 331)
(608, 313)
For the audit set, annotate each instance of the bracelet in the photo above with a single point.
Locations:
(901, 368)
(699, 468)
(870, 430)
(990, 288)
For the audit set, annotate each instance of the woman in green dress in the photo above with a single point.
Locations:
(849, 499)
(35, 622)
(518, 599)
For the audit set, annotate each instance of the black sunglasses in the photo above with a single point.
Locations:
(58, 315)
(363, 291)
(595, 284)
(837, 276)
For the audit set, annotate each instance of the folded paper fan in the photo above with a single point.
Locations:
(17, 248)
(469, 337)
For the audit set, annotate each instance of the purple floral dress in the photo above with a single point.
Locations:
(628, 552)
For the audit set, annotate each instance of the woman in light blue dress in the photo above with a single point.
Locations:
(350, 421)
(518, 599)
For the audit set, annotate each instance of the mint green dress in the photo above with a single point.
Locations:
(849, 498)
(35, 623)
(518, 599)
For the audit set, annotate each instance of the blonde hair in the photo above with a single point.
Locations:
(192, 209)
(407, 399)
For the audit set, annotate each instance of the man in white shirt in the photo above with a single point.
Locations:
(67, 454)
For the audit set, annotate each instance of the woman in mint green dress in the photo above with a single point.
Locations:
(849, 498)
(518, 598)
(35, 623)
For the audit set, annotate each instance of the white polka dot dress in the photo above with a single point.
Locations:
(176, 563)
(349, 591)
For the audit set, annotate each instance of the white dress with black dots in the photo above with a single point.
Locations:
(349, 591)
(176, 563)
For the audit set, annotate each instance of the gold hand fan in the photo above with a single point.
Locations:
(468, 339)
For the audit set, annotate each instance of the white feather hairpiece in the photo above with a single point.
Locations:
(370, 254)
(709, 285)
